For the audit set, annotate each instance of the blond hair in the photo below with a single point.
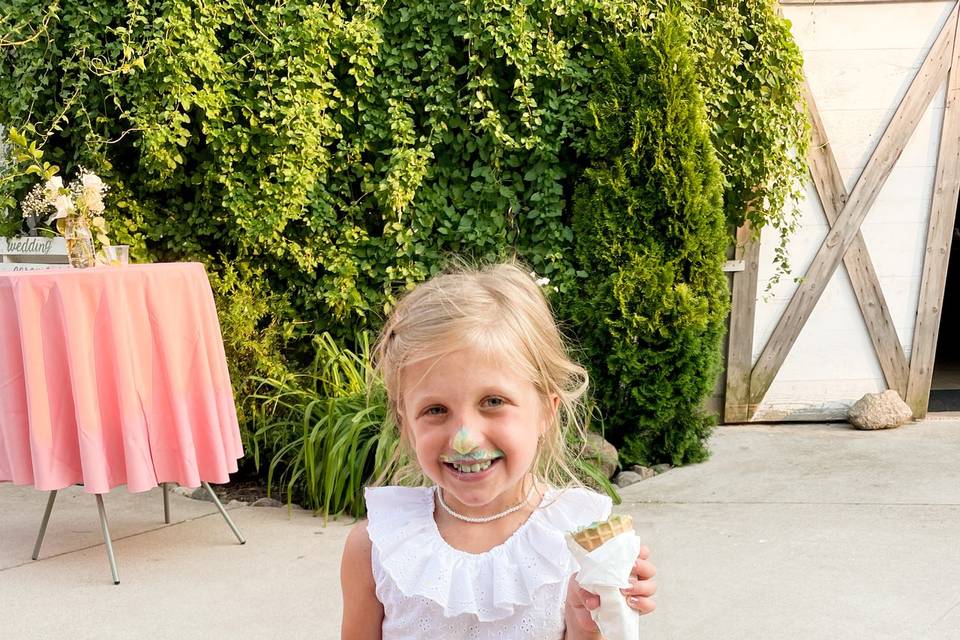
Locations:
(501, 312)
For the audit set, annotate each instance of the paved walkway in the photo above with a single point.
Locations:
(802, 531)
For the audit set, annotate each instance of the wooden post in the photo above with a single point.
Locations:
(937, 256)
(743, 306)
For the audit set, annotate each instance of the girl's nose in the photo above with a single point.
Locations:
(464, 442)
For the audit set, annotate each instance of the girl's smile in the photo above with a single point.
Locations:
(471, 472)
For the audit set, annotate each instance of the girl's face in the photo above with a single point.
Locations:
(474, 426)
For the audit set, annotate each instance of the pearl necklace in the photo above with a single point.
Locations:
(482, 519)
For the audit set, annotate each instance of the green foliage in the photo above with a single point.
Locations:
(21, 167)
(335, 153)
(649, 226)
(323, 430)
(256, 327)
(750, 71)
(346, 147)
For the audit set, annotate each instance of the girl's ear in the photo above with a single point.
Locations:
(551, 406)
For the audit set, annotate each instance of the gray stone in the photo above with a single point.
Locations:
(267, 502)
(236, 503)
(626, 478)
(181, 491)
(602, 453)
(879, 411)
(645, 472)
(661, 468)
(201, 493)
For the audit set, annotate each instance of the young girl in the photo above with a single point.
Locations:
(480, 386)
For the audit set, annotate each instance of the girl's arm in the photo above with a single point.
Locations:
(362, 612)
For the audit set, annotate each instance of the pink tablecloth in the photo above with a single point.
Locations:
(113, 375)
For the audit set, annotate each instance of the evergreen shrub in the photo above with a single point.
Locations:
(649, 226)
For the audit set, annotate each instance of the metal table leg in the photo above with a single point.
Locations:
(43, 525)
(166, 503)
(106, 530)
(106, 539)
(223, 512)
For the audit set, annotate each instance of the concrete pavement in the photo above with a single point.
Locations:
(789, 531)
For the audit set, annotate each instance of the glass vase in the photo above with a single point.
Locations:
(79, 243)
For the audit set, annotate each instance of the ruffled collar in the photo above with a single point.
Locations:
(491, 584)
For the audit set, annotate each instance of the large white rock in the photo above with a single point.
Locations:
(879, 411)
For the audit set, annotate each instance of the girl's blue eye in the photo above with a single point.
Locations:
(434, 411)
(494, 401)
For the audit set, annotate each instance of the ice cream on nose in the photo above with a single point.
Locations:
(463, 442)
(469, 452)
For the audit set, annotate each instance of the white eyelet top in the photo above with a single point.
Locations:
(430, 590)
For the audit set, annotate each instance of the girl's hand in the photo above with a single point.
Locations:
(580, 603)
(639, 595)
(642, 587)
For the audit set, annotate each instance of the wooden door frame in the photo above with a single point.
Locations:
(747, 383)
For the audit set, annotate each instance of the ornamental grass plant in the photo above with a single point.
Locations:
(320, 432)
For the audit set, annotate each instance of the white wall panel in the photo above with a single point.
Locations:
(907, 25)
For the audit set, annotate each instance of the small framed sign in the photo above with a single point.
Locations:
(26, 253)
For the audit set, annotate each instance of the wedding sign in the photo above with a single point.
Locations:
(29, 254)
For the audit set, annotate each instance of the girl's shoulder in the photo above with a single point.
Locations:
(571, 508)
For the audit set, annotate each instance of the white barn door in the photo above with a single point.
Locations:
(861, 309)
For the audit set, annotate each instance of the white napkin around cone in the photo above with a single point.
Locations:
(604, 571)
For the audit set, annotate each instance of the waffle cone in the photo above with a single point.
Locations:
(595, 535)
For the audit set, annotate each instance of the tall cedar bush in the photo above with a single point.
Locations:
(649, 225)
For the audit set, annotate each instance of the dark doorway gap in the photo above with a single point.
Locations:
(945, 388)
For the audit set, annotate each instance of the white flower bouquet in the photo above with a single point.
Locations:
(77, 210)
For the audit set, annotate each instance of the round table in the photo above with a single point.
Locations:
(114, 375)
(110, 376)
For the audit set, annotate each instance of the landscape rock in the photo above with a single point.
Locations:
(645, 472)
(879, 411)
(661, 468)
(267, 502)
(604, 454)
(182, 491)
(200, 493)
(626, 478)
